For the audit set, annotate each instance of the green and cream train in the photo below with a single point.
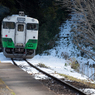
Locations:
(19, 35)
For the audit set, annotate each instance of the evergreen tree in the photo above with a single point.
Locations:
(49, 15)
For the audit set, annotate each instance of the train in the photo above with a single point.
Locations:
(19, 36)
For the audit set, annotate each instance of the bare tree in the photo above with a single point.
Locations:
(83, 28)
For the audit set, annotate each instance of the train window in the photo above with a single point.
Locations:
(20, 27)
(31, 26)
(8, 25)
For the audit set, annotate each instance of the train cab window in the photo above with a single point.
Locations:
(8, 25)
(31, 26)
(20, 27)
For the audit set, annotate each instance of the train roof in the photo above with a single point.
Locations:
(18, 18)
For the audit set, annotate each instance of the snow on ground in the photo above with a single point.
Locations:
(56, 61)
(89, 91)
(55, 64)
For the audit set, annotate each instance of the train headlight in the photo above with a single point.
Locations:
(7, 49)
(30, 51)
(33, 20)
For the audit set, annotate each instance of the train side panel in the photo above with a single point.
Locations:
(8, 35)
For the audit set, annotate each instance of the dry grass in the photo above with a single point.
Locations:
(89, 84)
(4, 89)
(42, 65)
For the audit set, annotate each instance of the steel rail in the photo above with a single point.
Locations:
(14, 62)
(67, 85)
(79, 92)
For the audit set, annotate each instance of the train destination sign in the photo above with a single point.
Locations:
(20, 19)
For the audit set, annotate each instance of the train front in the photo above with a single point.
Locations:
(19, 36)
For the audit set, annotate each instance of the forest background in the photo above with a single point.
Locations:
(50, 16)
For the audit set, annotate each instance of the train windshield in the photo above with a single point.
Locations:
(31, 26)
(20, 27)
(8, 25)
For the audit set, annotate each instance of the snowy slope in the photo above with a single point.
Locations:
(56, 58)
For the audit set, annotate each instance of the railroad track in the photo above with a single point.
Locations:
(63, 83)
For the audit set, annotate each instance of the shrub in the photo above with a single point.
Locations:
(65, 64)
(65, 55)
(75, 65)
(42, 65)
